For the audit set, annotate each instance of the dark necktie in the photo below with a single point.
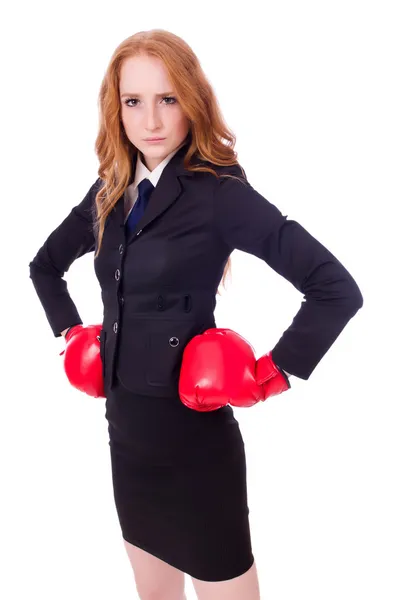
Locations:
(145, 189)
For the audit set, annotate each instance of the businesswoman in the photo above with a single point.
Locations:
(168, 207)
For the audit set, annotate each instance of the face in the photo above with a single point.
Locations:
(150, 109)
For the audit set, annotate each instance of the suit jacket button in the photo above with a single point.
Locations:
(117, 274)
(160, 303)
(173, 342)
(121, 249)
(115, 325)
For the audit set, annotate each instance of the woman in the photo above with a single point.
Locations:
(163, 217)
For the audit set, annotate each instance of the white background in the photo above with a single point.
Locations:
(309, 89)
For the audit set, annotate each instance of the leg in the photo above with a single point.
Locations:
(154, 578)
(245, 586)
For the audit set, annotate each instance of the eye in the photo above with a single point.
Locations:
(129, 100)
(136, 99)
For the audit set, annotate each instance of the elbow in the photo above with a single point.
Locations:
(32, 268)
(356, 299)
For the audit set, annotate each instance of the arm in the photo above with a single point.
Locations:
(73, 238)
(246, 221)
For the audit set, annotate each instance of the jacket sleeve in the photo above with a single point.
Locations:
(247, 221)
(73, 238)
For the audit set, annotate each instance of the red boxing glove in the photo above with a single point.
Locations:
(82, 361)
(218, 368)
(270, 377)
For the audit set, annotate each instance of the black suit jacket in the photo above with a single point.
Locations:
(159, 283)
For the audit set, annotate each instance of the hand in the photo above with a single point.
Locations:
(82, 361)
(273, 380)
(218, 368)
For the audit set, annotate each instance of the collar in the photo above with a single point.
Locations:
(142, 172)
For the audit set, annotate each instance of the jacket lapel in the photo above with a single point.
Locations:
(166, 192)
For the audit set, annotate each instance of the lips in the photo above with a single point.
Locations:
(156, 139)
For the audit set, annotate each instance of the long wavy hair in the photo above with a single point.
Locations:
(210, 138)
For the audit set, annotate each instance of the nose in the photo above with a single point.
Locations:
(151, 118)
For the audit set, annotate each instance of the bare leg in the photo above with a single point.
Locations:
(155, 578)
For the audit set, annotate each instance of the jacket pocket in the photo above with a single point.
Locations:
(166, 343)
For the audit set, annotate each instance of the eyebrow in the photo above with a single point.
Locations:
(138, 95)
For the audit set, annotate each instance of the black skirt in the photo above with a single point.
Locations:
(179, 481)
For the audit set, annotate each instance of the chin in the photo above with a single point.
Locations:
(155, 148)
